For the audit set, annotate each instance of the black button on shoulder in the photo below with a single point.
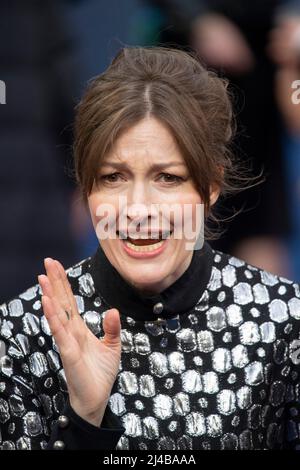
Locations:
(63, 421)
(158, 308)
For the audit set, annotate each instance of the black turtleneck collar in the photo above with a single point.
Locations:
(178, 298)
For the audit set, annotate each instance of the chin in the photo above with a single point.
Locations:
(144, 282)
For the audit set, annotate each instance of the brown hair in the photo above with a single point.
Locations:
(172, 86)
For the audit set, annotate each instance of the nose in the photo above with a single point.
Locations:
(139, 204)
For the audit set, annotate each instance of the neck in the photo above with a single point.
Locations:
(157, 288)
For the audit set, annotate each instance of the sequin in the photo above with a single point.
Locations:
(53, 360)
(231, 379)
(214, 425)
(221, 360)
(86, 285)
(267, 331)
(227, 337)
(158, 364)
(45, 326)
(215, 280)
(30, 293)
(132, 424)
(248, 274)
(236, 262)
(229, 442)
(117, 404)
(15, 308)
(210, 382)
(127, 341)
(294, 307)
(268, 279)
(147, 386)
(186, 340)
(277, 393)
(154, 328)
(166, 443)
(280, 351)
(4, 411)
(221, 297)
(74, 271)
(246, 441)
(141, 343)
(128, 383)
(244, 397)
(254, 373)
(176, 362)
(92, 320)
(139, 405)
(23, 342)
(173, 426)
(169, 383)
(16, 405)
(205, 341)
(226, 402)
(150, 428)
(278, 311)
(80, 303)
(195, 424)
(255, 312)
(198, 361)
(234, 315)
(203, 403)
(249, 333)
(38, 364)
(229, 275)
(32, 424)
(254, 417)
(162, 406)
(294, 351)
(240, 356)
(261, 294)
(216, 319)
(191, 381)
(181, 404)
(242, 293)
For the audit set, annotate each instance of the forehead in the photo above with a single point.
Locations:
(146, 143)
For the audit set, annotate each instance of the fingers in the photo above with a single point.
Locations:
(48, 291)
(54, 277)
(56, 326)
(112, 328)
(67, 287)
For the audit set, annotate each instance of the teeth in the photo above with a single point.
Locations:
(145, 248)
(145, 236)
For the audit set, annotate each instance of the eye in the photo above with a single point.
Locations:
(171, 179)
(111, 178)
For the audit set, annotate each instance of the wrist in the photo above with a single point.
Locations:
(92, 417)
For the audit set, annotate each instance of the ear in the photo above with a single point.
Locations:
(214, 194)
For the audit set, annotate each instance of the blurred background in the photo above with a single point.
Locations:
(49, 49)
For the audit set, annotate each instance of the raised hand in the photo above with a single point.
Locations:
(90, 364)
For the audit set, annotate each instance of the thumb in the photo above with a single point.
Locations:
(112, 327)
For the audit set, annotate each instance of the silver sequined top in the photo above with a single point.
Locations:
(225, 374)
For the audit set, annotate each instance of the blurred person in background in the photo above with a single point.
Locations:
(284, 49)
(233, 37)
(38, 67)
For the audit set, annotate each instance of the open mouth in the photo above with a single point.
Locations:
(142, 242)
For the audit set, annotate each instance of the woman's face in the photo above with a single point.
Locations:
(142, 177)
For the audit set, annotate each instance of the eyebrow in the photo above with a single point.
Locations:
(157, 166)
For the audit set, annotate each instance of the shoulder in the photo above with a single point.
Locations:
(258, 293)
(23, 314)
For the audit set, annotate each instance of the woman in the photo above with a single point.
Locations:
(171, 345)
